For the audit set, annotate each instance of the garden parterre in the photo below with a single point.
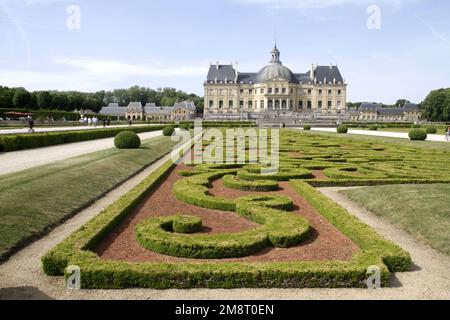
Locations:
(341, 160)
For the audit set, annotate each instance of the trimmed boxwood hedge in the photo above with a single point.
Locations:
(342, 129)
(186, 224)
(38, 140)
(100, 274)
(431, 130)
(168, 131)
(234, 182)
(307, 128)
(418, 135)
(299, 173)
(127, 140)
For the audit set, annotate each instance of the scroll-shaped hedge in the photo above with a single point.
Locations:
(353, 173)
(233, 182)
(278, 228)
(282, 175)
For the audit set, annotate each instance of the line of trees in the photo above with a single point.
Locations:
(436, 106)
(73, 100)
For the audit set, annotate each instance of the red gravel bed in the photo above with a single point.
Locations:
(326, 242)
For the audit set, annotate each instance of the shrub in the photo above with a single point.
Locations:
(416, 126)
(233, 182)
(431, 130)
(184, 126)
(187, 224)
(373, 128)
(168, 131)
(307, 128)
(342, 129)
(127, 140)
(418, 135)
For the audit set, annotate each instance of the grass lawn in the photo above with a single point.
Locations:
(34, 200)
(421, 210)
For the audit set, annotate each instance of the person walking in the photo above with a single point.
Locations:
(447, 134)
(30, 124)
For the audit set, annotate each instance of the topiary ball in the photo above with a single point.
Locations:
(187, 224)
(418, 135)
(307, 128)
(184, 126)
(342, 129)
(127, 140)
(168, 131)
(373, 128)
(431, 130)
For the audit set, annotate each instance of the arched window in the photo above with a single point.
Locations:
(284, 104)
(277, 104)
(270, 104)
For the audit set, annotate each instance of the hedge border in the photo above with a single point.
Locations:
(38, 140)
(233, 182)
(99, 274)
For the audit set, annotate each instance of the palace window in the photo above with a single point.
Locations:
(230, 104)
(277, 90)
(300, 104)
(261, 104)
(330, 103)
(262, 91)
(211, 92)
(319, 104)
(330, 92)
(320, 92)
(339, 92)
(220, 104)
(221, 92)
(270, 90)
(292, 91)
(283, 90)
(291, 104)
(309, 92)
(242, 91)
(241, 104)
(250, 104)
(284, 104)
(250, 91)
(211, 104)
(309, 104)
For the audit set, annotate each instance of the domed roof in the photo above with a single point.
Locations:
(275, 69)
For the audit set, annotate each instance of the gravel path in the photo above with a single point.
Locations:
(21, 277)
(58, 129)
(431, 137)
(25, 159)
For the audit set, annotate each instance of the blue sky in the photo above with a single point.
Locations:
(159, 43)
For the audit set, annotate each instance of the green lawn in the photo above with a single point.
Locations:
(33, 201)
(421, 210)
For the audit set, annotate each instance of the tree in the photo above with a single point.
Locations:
(60, 101)
(6, 97)
(75, 101)
(44, 100)
(436, 105)
(21, 98)
(401, 103)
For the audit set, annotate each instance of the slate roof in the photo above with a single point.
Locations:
(228, 73)
(377, 108)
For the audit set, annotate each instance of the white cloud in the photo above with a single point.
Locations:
(316, 4)
(119, 70)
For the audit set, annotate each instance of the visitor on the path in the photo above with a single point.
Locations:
(108, 123)
(89, 121)
(95, 121)
(130, 122)
(104, 123)
(30, 124)
(447, 134)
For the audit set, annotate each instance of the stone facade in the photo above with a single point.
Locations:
(372, 112)
(182, 111)
(274, 89)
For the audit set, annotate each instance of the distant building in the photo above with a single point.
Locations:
(181, 111)
(274, 90)
(373, 112)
